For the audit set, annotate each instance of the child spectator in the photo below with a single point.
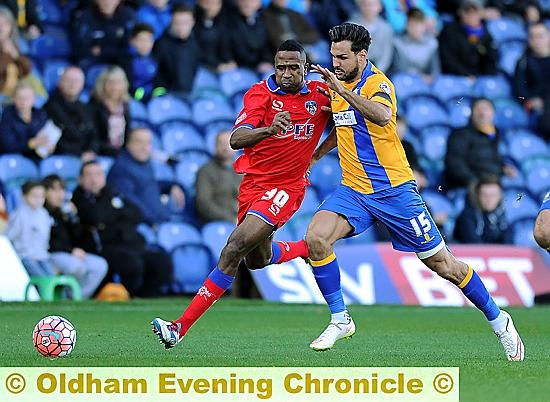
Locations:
(29, 231)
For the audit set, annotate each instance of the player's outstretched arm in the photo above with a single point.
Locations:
(245, 137)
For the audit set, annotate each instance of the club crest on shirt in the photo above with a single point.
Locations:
(311, 107)
(384, 86)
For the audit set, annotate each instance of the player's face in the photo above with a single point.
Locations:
(348, 65)
(92, 179)
(290, 69)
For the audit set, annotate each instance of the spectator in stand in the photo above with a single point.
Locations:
(283, 24)
(211, 29)
(74, 118)
(141, 67)
(22, 126)
(156, 14)
(133, 172)
(14, 66)
(248, 39)
(483, 219)
(396, 12)
(328, 13)
(528, 10)
(66, 255)
(416, 51)
(111, 221)
(531, 84)
(466, 46)
(380, 50)
(101, 33)
(178, 53)
(472, 151)
(110, 110)
(26, 13)
(29, 231)
(218, 185)
(410, 153)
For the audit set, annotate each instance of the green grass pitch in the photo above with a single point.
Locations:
(258, 333)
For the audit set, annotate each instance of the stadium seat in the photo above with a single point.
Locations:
(426, 112)
(299, 223)
(451, 87)
(148, 233)
(48, 46)
(459, 113)
(13, 199)
(168, 108)
(211, 132)
(15, 170)
(410, 85)
(326, 175)
(52, 72)
(509, 54)
(437, 203)
(523, 233)
(311, 201)
(510, 115)
(215, 235)
(163, 172)
(538, 180)
(65, 166)
(51, 287)
(506, 29)
(524, 144)
(286, 233)
(433, 169)
(106, 162)
(192, 264)
(92, 73)
(492, 87)
(516, 181)
(179, 136)
(207, 111)
(519, 205)
(138, 111)
(237, 81)
(205, 80)
(187, 167)
(49, 12)
(172, 234)
(434, 141)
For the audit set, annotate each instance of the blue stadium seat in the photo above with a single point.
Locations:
(433, 169)
(48, 46)
(437, 202)
(106, 162)
(237, 80)
(163, 172)
(451, 87)
(508, 56)
(538, 180)
(510, 115)
(205, 80)
(207, 111)
(299, 223)
(519, 205)
(187, 167)
(52, 72)
(15, 170)
(326, 175)
(311, 201)
(434, 141)
(178, 137)
(92, 73)
(410, 85)
(49, 12)
(192, 265)
(516, 181)
(426, 112)
(65, 166)
(215, 235)
(172, 234)
(524, 144)
(286, 233)
(492, 87)
(459, 113)
(148, 233)
(506, 29)
(211, 132)
(523, 233)
(138, 111)
(168, 108)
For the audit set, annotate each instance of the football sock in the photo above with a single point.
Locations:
(327, 276)
(214, 286)
(340, 317)
(474, 289)
(283, 251)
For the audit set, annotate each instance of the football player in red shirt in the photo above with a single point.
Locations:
(279, 127)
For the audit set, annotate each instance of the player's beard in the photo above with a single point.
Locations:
(350, 75)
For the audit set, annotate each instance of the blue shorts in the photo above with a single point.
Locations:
(401, 209)
(545, 202)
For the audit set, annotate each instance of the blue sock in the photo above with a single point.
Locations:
(327, 276)
(220, 279)
(275, 253)
(474, 289)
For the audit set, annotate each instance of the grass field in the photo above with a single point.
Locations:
(257, 333)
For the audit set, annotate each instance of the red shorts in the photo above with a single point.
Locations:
(275, 205)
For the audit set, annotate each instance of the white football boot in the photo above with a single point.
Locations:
(167, 331)
(334, 331)
(510, 340)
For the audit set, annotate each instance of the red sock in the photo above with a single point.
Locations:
(205, 297)
(291, 250)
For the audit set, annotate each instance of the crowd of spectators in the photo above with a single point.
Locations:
(115, 58)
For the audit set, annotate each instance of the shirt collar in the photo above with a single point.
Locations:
(273, 87)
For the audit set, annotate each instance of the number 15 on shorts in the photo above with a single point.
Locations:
(278, 199)
(421, 225)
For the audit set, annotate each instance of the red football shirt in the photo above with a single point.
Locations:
(284, 157)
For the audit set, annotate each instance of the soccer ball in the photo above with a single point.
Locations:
(54, 336)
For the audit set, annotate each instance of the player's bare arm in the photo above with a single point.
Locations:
(373, 111)
(244, 137)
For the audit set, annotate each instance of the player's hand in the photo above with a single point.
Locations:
(329, 77)
(327, 94)
(280, 123)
